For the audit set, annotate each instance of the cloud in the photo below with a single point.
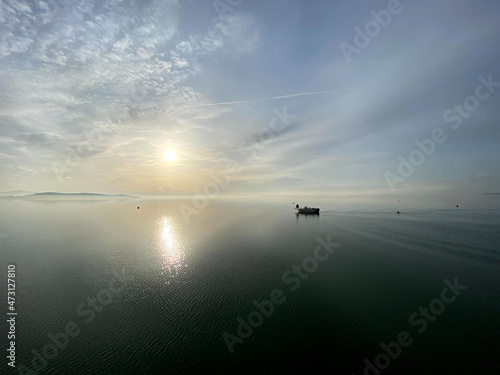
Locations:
(149, 76)
(73, 68)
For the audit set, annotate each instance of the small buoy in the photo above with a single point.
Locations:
(397, 212)
(138, 207)
(457, 205)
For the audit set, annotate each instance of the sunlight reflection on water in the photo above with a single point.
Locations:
(172, 255)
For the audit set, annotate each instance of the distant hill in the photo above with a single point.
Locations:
(83, 194)
(15, 193)
(28, 194)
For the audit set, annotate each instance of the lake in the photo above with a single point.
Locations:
(103, 287)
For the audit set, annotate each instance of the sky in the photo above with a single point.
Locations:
(275, 97)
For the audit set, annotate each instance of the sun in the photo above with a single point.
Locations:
(169, 155)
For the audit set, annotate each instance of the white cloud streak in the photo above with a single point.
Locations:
(264, 99)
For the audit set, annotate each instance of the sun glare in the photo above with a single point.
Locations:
(169, 155)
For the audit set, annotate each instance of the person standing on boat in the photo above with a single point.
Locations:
(297, 206)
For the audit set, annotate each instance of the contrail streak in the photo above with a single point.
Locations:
(261, 99)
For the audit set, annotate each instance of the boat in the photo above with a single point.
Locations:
(308, 210)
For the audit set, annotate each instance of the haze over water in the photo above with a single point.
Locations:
(187, 283)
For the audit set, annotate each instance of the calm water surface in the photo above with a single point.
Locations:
(186, 284)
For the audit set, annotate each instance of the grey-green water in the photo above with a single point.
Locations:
(185, 285)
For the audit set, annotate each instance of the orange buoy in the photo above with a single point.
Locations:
(457, 205)
(397, 212)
